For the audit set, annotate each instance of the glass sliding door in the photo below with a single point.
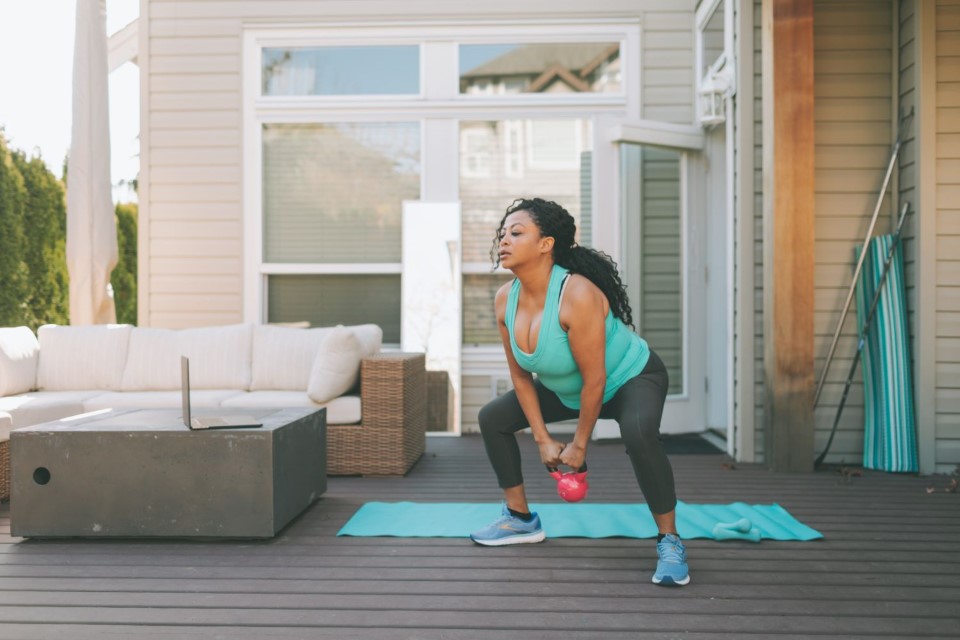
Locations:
(661, 231)
(653, 251)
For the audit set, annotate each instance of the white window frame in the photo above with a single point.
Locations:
(438, 104)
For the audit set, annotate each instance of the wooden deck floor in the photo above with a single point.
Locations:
(888, 567)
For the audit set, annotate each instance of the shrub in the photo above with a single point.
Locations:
(14, 275)
(44, 250)
(124, 276)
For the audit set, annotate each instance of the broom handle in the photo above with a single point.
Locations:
(856, 271)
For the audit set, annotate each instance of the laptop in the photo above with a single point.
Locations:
(208, 422)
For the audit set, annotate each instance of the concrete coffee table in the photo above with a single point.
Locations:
(143, 473)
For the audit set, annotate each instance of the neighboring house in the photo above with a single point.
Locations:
(279, 140)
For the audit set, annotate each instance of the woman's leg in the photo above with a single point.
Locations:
(500, 419)
(638, 408)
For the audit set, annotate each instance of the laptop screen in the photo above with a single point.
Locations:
(185, 388)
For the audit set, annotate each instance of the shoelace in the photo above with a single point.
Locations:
(670, 552)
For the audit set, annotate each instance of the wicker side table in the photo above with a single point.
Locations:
(392, 434)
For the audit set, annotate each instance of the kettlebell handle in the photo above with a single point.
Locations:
(553, 469)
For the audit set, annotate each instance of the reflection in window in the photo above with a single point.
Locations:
(328, 300)
(341, 71)
(503, 69)
(523, 162)
(332, 193)
(479, 319)
(712, 38)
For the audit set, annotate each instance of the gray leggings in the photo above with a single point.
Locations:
(637, 407)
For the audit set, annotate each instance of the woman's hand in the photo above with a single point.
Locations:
(550, 452)
(573, 455)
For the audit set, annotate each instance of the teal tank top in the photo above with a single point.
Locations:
(552, 361)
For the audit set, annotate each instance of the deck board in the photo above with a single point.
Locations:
(889, 566)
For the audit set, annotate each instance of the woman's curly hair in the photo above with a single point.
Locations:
(556, 222)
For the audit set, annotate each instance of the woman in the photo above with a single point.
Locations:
(566, 318)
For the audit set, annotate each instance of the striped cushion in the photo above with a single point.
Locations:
(283, 357)
(889, 418)
(19, 355)
(84, 357)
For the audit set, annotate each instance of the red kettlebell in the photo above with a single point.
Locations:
(571, 486)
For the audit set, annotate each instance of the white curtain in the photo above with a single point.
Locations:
(91, 229)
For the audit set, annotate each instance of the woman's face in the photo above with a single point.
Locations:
(522, 241)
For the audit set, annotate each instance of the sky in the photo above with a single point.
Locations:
(36, 75)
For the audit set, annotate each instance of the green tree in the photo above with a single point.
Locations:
(14, 276)
(44, 248)
(124, 276)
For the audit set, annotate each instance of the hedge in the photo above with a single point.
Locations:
(33, 268)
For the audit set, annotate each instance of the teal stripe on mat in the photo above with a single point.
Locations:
(584, 520)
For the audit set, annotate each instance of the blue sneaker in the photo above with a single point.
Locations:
(672, 566)
(509, 529)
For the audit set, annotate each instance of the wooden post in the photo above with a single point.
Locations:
(788, 233)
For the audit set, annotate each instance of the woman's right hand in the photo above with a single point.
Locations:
(550, 451)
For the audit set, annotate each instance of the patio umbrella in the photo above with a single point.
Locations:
(91, 229)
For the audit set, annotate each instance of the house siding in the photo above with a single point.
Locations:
(947, 198)
(853, 85)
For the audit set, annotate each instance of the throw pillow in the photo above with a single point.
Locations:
(336, 366)
(19, 353)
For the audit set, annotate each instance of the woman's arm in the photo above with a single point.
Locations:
(523, 386)
(583, 316)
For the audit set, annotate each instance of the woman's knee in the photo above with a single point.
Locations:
(643, 432)
(499, 413)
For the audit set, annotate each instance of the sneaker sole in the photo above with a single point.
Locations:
(529, 538)
(670, 582)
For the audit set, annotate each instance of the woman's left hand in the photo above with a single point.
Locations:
(573, 455)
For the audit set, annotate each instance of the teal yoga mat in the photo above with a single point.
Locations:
(582, 520)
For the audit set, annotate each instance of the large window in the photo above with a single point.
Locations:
(332, 199)
(343, 125)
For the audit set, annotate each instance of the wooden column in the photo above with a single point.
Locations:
(788, 232)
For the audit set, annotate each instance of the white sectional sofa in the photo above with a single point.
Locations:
(67, 370)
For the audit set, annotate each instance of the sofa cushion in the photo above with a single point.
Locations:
(19, 354)
(43, 406)
(158, 399)
(340, 410)
(82, 357)
(153, 360)
(6, 424)
(283, 356)
(219, 358)
(336, 367)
